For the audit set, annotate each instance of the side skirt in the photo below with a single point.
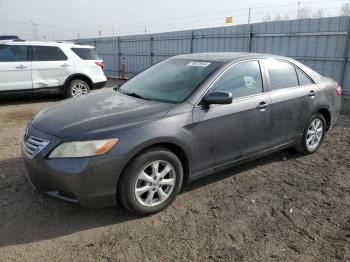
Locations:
(242, 160)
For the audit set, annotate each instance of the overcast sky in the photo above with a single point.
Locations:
(68, 19)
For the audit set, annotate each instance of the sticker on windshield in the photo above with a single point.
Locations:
(198, 63)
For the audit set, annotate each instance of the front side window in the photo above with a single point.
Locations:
(48, 53)
(13, 53)
(243, 79)
(281, 74)
(170, 81)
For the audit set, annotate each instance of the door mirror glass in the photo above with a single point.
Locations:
(218, 97)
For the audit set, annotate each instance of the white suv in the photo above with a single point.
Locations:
(56, 66)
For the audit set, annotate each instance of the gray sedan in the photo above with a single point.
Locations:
(181, 119)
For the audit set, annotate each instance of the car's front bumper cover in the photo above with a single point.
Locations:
(89, 181)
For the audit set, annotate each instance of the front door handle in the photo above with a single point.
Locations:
(21, 67)
(262, 106)
(312, 93)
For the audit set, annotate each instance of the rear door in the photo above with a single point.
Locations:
(224, 133)
(50, 67)
(293, 100)
(15, 68)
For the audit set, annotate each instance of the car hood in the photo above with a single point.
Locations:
(98, 115)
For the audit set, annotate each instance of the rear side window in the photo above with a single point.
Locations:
(241, 80)
(303, 79)
(13, 53)
(48, 53)
(86, 53)
(282, 75)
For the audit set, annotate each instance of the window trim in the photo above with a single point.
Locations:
(34, 55)
(263, 80)
(295, 69)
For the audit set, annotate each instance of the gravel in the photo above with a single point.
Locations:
(284, 207)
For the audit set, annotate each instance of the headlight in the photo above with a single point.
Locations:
(83, 148)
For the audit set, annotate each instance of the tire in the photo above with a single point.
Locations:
(306, 147)
(132, 183)
(76, 88)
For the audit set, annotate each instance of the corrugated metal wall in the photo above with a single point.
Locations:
(322, 44)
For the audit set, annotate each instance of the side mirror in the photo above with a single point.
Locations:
(218, 97)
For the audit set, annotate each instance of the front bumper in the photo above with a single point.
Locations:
(89, 181)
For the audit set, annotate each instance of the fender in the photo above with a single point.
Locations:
(77, 75)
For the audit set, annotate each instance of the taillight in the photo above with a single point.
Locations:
(338, 90)
(99, 63)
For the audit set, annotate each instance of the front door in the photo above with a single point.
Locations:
(15, 68)
(224, 133)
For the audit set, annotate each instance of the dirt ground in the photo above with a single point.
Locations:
(284, 207)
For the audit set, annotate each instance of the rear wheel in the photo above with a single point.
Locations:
(313, 135)
(151, 181)
(76, 88)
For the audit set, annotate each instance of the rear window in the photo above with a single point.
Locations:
(48, 53)
(86, 53)
(303, 79)
(282, 75)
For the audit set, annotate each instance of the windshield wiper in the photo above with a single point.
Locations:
(133, 94)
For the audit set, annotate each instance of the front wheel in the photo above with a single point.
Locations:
(313, 135)
(76, 88)
(151, 181)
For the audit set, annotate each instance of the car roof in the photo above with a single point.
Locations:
(226, 56)
(44, 43)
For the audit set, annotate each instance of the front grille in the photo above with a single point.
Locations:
(33, 145)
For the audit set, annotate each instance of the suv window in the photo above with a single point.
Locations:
(303, 79)
(86, 53)
(282, 75)
(48, 53)
(13, 53)
(242, 79)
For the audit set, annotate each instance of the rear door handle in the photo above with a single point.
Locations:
(21, 67)
(262, 106)
(312, 93)
(65, 65)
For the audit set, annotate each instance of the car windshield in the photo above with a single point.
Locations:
(170, 81)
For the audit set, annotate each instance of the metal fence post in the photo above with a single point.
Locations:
(118, 56)
(249, 44)
(192, 40)
(150, 50)
(345, 54)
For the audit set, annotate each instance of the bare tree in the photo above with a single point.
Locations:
(345, 9)
(278, 17)
(319, 13)
(266, 18)
(304, 12)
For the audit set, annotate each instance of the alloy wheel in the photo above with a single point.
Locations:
(79, 89)
(155, 183)
(314, 134)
